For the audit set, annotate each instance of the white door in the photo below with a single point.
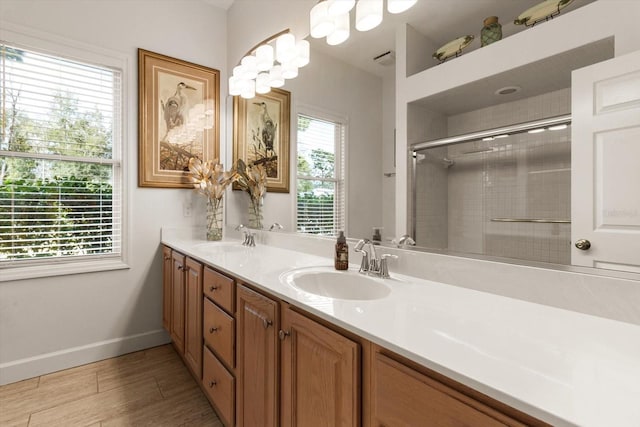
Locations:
(605, 179)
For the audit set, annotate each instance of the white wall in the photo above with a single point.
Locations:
(53, 323)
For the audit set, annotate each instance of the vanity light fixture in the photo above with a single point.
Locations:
(330, 18)
(264, 66)
(399, 6)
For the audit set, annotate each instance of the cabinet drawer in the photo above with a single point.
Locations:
(219, 288)
(218, 331)
(219, 385)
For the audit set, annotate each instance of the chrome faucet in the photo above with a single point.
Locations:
(371, 264)
(276, 226)
(249, 236)
(404, 241)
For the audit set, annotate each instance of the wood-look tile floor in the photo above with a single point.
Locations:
(147, 388)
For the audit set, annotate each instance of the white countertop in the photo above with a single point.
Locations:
(563, 367)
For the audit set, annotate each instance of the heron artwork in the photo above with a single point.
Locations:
(264, 138)
(175, 107)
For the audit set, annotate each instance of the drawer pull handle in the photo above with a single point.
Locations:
(213, 288)
(283, 334)
(212, 329)
(212, 383)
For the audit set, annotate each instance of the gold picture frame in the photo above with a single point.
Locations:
(261, 135)
(178, 118)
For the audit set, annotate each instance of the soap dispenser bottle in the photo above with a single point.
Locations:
(342, 253)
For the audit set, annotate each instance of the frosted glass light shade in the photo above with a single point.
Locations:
(262, 83)
(368, 14)
(289, 70)
(275, 77)
(285, 48)
(399, 6)
(340, 7)
(341, 33)
(235, 87)
(302, 53)
(320, 23)
(249, 67)
(249, 90)
(264, 57)
(238, 71)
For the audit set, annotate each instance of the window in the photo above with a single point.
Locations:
(320, 207)
(60, 168)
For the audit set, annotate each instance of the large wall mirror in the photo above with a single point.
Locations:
(505, 200)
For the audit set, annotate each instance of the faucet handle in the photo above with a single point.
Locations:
(276, 225)
(384, 267)
(240, 227)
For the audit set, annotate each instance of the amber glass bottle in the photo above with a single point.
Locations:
(342, 253)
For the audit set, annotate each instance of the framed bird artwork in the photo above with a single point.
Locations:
(179, 118)
(261, 135)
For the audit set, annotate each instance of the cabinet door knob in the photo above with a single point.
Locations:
(283, 334)
(212, 329)
(212, 288)
(180, 267)
(266, 322)
(167, 258)
(583, 244)
(212, 383)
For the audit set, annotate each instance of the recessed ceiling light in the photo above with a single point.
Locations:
(558, 127)
(504, 135)
(489, 138)
(538, 130)
(508, 90)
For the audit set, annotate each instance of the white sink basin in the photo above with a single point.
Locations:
(328, 282)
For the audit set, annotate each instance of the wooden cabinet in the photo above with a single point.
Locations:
(193, 316)
(283, 368)
(166, 288)
(320, 374)
(403, 396)
(177, 301)
(257, 364)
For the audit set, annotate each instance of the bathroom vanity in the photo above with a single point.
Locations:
(267, 352)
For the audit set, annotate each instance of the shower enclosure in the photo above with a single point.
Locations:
(504, 192)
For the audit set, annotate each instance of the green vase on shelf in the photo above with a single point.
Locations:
(491, 32)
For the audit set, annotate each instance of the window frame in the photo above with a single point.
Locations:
(49, 44)
(340, 155)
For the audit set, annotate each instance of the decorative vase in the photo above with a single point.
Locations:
(214, 218)
(491, 32)
(255, 213)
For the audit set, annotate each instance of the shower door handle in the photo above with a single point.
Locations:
(583, 244)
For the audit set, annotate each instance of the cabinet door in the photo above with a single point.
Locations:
(193, 317)
(166, 288)
(320, 374)
(257, 359)
(177, 301)
(404, 397)
(605, 204)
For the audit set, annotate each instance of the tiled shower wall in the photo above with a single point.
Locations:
(525, 176)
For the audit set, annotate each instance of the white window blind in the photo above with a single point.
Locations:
(60, 171)
(320, 207)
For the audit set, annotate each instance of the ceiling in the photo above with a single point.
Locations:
(222, 4)
(439, 20)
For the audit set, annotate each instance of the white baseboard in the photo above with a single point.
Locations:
(30, 367)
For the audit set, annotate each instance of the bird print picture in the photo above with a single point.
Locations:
(181, 122)
(178, 118)
(261, 135)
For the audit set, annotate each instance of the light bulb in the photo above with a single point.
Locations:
(249, 67)
(289, 70)
(285, 48)
(264, 57)
(399, 6)
(234, 86)
(275, 77)
(340, 7)
(302, 53)
(341, 33)
(249, 90)
(368, 14)
(262, 83)
(320, 22)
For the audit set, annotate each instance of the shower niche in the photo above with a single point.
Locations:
(491, 162)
